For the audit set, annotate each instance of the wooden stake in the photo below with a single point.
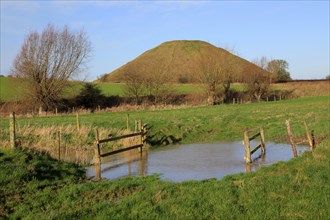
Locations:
(310, 142)
(293, 145)
(262, 138)
(40, 111)
(12, 129)
(139, 125)
(78, 122)
(313, 140)
(59, 144)
(127, 121)
(97, 157)
(247, 156)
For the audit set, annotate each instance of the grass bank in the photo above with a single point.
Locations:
(35, 187)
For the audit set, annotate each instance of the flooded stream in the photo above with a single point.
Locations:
(191, 161)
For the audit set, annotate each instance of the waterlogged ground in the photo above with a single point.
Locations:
(192, 161)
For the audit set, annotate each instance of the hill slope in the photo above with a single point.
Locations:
(180, 60)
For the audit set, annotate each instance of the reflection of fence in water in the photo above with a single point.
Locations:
(136, 140)
(132, 159)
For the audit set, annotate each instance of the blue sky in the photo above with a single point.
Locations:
(296, 31)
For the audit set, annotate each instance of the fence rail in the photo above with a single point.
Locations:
(142, 134)
(247, 139)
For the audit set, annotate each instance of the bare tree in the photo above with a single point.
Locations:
(157, 86)
(134, 84)
(217, 74)
(48, 60)
(262, 62)
(258, 83)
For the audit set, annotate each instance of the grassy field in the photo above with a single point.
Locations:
(7, 91)
(33, 186)
(11, 89)
(206, 123)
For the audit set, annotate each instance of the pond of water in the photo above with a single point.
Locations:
(191, 161)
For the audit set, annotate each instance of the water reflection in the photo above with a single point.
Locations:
(192, 161)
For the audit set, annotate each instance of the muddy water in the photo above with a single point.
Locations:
(192, 161)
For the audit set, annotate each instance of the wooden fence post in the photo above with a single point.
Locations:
(12, 129)
(247, 156)
(55, 111)
(139, 125)
(293, 145)
(59, 144)
(310, 142)
(78, 122)
(262, 138)
(313, 140)
(127, 121)
(233, 100)
(97, 157)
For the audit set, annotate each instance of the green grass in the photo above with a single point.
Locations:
(10, 89)
(33, 186)
(36, 187)
(112, 89)
(208, 123)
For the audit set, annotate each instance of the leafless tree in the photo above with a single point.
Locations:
(48, 60)
(258, 82)
(262, 62)
(134, 84)
(217, 74)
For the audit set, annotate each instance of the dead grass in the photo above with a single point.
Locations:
(75, 146)
(306, 88)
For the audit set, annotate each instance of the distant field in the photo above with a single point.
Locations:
(10, 90)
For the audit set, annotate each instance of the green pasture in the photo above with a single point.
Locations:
(207, 123)
(33, 186)
(11, 89)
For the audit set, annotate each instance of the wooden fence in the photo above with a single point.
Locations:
(98, 155)
(247, 139)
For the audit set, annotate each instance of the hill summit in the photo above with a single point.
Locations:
(179, 59)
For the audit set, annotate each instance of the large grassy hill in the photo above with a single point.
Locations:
(181, 59)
